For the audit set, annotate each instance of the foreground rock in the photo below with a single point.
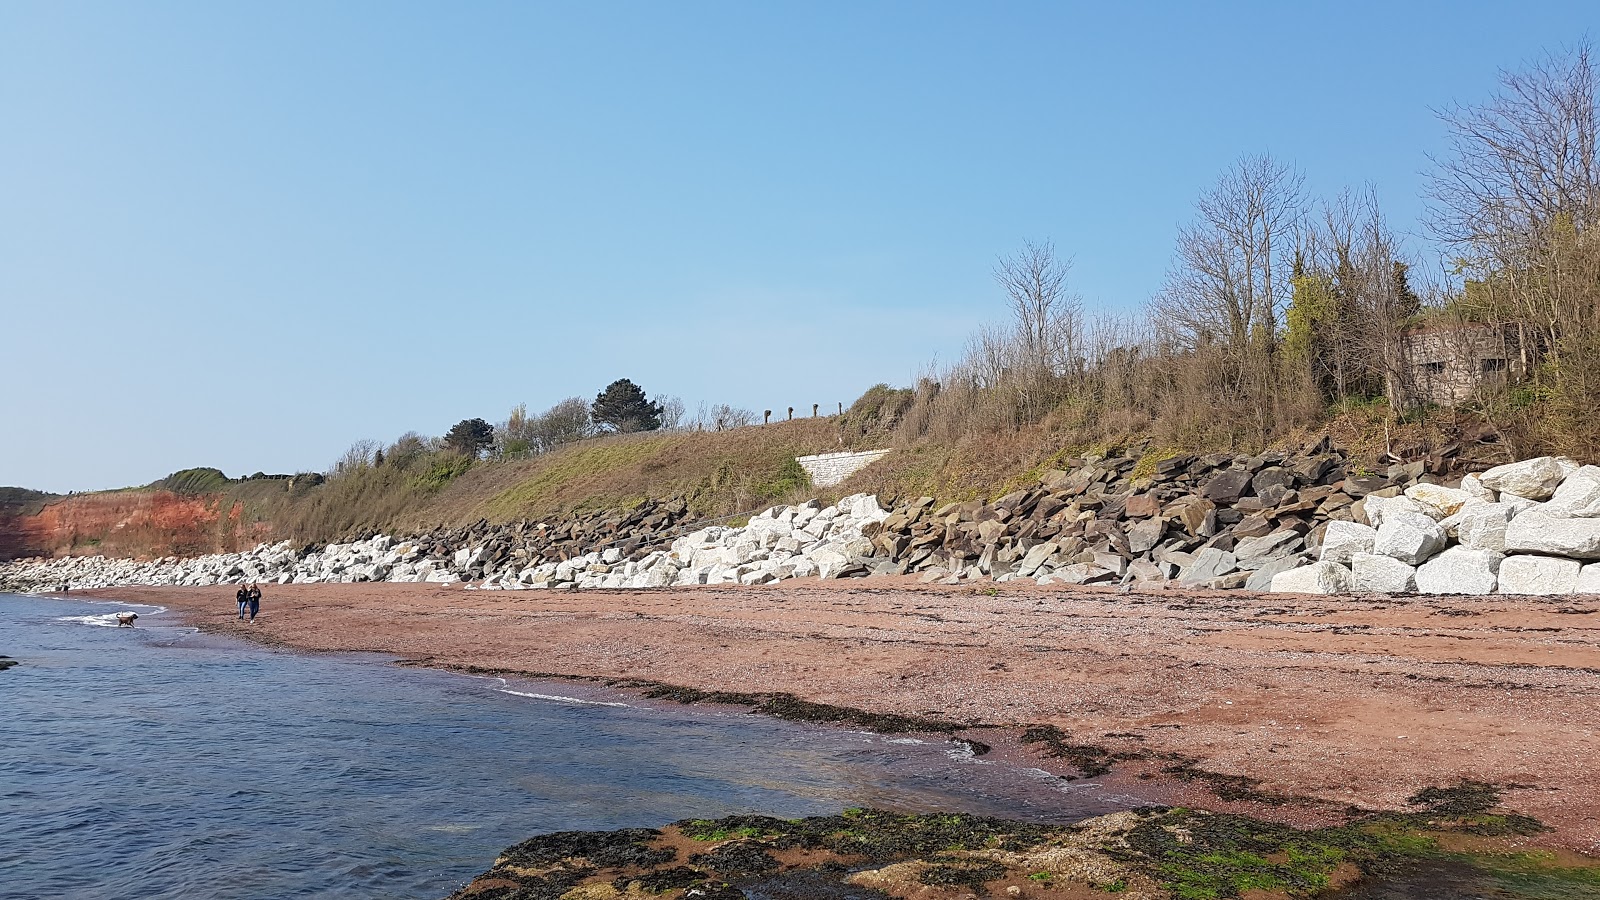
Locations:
(1151, 853)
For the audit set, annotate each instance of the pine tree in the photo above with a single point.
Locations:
(470, 437)
(623, 407)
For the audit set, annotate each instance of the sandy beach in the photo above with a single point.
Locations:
(1338, 700)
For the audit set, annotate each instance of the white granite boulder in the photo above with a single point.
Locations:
(1473, 485)
(1343, 540)
(1409, 537)
(1436, 500)
(1459, 570)
(1537, 532)
(1481, 526)
(1539, 575)
(1535, 479)
(1383, 574)
(1578, 496)
(1317, 578)
(1380, 508)
(1588, 580)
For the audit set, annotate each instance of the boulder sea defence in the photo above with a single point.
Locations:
(1306, 522)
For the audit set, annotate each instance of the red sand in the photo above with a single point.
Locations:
(1349, 700)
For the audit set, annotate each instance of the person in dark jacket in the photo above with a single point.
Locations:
(255, 601)
(243, 596)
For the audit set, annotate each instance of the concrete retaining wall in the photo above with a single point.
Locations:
(828, 469)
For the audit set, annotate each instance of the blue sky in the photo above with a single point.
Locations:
(246, 235)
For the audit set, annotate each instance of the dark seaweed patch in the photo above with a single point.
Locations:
(962, 873)
(737, 858)
(1090, 761)
(606, 849)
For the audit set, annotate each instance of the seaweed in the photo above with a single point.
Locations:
(1090, 760)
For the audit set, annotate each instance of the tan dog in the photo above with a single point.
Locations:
(126, 619)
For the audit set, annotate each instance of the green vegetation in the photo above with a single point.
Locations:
(193, 481)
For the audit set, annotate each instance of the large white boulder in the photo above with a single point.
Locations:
(1588, 580)
(1535, 479)
(1578, 496)
(1409, 537)
(1317, 578)
(1482, 526)
(1473, 485)
(1459, 570)
(1436, 500)
(1539, 575)
(1380, 508)
(1343, 540)
(1383, 574)
(1537, 532)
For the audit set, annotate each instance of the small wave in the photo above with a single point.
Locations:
(139, 606)
(963, 753)
(903, 741)
(109, 620)
(559, 699)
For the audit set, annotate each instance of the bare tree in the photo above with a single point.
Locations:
(1519, 197)
(674, 415)
(358, 457)
(562, 423)
(1229, 281)
(1525, 158)
(1047, 316)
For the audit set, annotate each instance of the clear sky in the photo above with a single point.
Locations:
(246, 235)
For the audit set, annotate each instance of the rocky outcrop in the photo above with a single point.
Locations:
(127, 523)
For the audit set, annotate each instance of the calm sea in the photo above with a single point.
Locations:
(157, 762)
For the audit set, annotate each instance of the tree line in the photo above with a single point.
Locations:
(1278, 307)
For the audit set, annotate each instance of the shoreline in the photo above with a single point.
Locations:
(1264, 706)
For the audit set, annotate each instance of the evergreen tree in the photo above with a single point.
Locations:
(470, 437)
(623, 407)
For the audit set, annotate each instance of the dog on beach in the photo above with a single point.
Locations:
(126, 619)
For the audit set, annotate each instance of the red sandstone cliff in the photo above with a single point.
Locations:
(139, 524)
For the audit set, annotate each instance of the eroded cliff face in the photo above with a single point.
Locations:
(135, 524)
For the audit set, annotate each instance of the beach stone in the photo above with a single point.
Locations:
(1409, 537)
(1077, 573)
(1535, 479)
(1317, 578)
(1145, 534)
(1272, 545)
(1342, 540)
(1142, 506)
(1437, 501)
(1535, 532)
(1459, 570)
(1208, 564)
(1261, 579)
(1383, 574)
(1539, 575)
(1578, 496)
(1035, 557)
(1226, 487)
(1482, 526)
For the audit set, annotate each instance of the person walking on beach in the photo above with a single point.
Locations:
(243, 596)
(255, 601)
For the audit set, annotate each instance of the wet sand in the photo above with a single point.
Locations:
(1341, 700)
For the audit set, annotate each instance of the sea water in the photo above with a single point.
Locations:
(159, 762)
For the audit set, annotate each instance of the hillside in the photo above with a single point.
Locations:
(718, 474)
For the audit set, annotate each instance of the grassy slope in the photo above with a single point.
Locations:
(720, 472)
